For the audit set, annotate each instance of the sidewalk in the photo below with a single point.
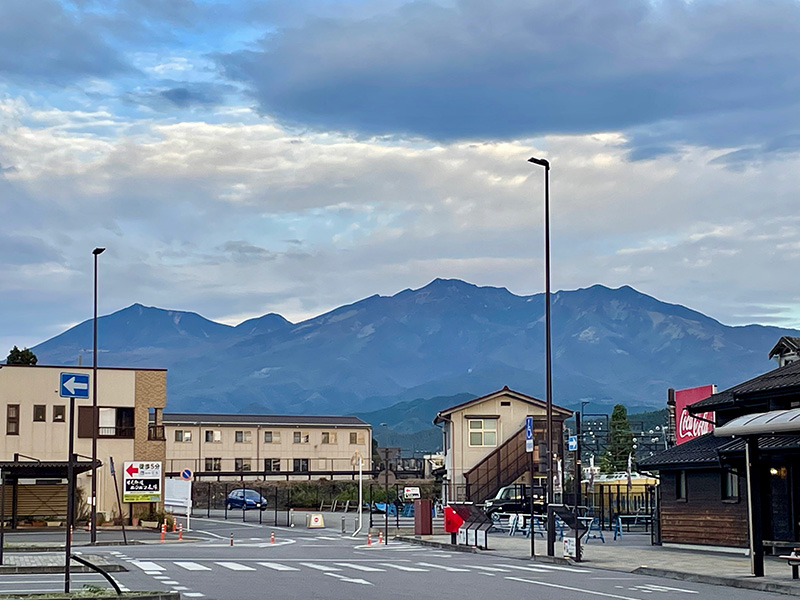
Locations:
(51, 562)
(634, 554)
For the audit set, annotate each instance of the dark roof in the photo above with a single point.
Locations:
(237, 419)
(700, 451)
(785, 344)
(781, 379)
(765, 443)
(441, 415)
(51, 469)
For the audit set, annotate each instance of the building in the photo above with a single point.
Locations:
(704, 481)
(484, 443)
(786, 351)
(37, 423)
(266, 446)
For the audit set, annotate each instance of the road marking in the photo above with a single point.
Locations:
(360, 567)
(443, 567)
(572, 589)
(161, 576)
(320, 567)
(497, 569)
(191, 566)
(171, 582)
(557, 568)
(531, 569)
(148, 567)
(404, 568)
(322, 537)
(179, 588)
(349, 579)
(278, 566)
(664, 588)
(235, 566)
(193, 594)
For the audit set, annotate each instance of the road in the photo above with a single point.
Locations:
(322, 563)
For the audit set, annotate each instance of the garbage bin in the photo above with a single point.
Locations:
(423, 520)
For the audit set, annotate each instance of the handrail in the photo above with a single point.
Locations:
(94, 567)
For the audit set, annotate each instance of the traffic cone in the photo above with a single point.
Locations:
(163, 530)
(271, 537)
(174, 526)
(369, 539)
(180, 532)
(380, 536)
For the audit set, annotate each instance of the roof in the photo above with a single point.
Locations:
(785, 344)
(237, 419)
(84, 367)
(506, 391)
(700, 451)
(39, 469)
(784, 379)
(765, 423)
(765, 443)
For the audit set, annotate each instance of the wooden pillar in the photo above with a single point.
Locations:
(754, 525)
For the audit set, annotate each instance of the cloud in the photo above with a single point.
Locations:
(480, 70)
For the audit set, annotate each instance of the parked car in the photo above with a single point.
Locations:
(514, 499)
(245, 498)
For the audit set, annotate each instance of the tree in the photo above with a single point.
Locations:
(620, 442)
(21, 357)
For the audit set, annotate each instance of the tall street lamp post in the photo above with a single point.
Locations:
(548, 363)
(97, 252)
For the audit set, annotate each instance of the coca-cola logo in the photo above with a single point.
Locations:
(690, 427)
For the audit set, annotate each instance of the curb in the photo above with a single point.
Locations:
(9, 570)
(747, 584)
(31, 548)
(556, 560)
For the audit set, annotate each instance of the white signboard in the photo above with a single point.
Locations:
(142, 481)
(411, 493)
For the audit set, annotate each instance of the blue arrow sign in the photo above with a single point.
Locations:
(74, 385)
(528, 434)
(572, 443)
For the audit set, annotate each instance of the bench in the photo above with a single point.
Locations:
(793, 560)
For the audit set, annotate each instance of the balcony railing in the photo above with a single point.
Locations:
(116, 432)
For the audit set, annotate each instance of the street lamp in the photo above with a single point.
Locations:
(386, 488)
(548, 366)
(97, 252)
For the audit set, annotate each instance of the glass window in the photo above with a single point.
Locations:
(213, 464)
(680, 485)
(272, 465)
(183, 435)
(272, 437)
(300, 437)
(328, 437)
(59, 413)
(300, 465)
(353, 437)
(241, 464)
(39, 412)
(483, 432)
(213, 436)
(12, 419)
(730, 485)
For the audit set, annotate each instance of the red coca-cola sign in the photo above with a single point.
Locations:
(687, 426)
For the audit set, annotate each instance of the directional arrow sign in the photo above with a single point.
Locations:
(131, 470)
(141, 481)
(74, 385)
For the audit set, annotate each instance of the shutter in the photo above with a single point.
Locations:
(84, 421)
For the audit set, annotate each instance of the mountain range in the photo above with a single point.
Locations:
(402, 352)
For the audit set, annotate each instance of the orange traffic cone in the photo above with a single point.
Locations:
(163, 530)
(369, 539)
(174, 526)
(180, 532)
(271, 537)
(380, 536)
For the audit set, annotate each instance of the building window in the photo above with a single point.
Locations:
(730, 485)
(59, 412)
(213, 464)
(242, 437)
(483, 432)
(300, 465)
(272, 437)
(680, 485)
(213, 436)
(112, 422)
(328, 437)
(241, 464)
(39, 412)
(183, 435)
(356, 437)
(300, 437)
(272, 465)
(12, 419)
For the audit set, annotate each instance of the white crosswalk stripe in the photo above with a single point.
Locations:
(361, 567)
(235, 566)
(320, 567)
(192, 566)
(148, 566)
(493, 569)
(404, 568)
(558, 568)
(278, 566)
(443, 567)
(531, 569)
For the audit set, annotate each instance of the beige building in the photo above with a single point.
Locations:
(266, 446)
(36, 426)
(484, 442)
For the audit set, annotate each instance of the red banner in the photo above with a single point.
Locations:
(686, 426)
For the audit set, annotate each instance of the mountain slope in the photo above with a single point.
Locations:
(609, 345)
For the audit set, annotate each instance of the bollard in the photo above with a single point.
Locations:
(70, 534)
(344, 527)
(291, 517)
(380, 536)
(180, 532)
(163, 530)
(231, 538)
(174, 525)
(369, 539)
(271, 537)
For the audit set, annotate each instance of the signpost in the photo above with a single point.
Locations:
(358, 460)
(529, 450)
(142, 481)
(74, 385)
(529, 434)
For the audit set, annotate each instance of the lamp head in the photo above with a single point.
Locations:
(97, 251)
(539, 161)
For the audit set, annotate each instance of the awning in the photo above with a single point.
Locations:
(30, 469)
(768, 423)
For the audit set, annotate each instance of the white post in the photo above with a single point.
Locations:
(360, 497)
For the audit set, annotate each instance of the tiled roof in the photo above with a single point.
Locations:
(765, 443)
(237, 419)
(781, 378)
(699, 451)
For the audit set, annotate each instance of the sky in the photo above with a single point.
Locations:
(238, 158)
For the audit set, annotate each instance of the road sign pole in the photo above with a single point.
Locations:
(119, 503)
(70, 492)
